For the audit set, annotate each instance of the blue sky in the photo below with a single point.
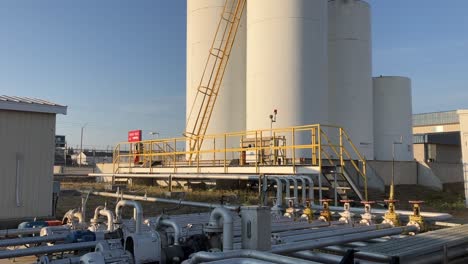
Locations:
(120, 65)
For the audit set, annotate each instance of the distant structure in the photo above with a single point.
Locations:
(27, 156)
(441, 141)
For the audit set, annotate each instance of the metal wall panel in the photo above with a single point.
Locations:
(26, 164)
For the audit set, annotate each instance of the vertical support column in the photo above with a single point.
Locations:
(175, 157)
(225, 154)
(293, 139)
(341, 148)
(314, 146)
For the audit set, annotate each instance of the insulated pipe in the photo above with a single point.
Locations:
(433, 216)
(17, 232)
(319, 243)
(177, 176)
(254, 254)
(240, 261)
(177, 230)
(138, 214)
(47, 249)
(311, 188)
(288, 187)
(32, 240)
(162, 200)
(110, 218)
(96, 212)
(304, 190)
(324, 257)
(294, 180)
(279, 191)
(228, 228)
(80, 216)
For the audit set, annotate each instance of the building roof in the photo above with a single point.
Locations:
(26, 104)
(436, 118)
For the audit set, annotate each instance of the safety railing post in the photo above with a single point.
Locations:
(175, 157)
(214, 151)
(225, 153)
(293, 139)
(341, 148)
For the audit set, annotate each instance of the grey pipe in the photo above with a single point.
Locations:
(288, 187)
(228, 228)
(323, 242)
(259, 255)
(324, 257)
(175, 176)
(16, 232)
(47, 249)
(303, 190)
(138, 213)
(279, 191)
(311, 188)
(175, 226)
(32, 240)
(110, 218)
(162, 200)
(240, 261)
(295, 193)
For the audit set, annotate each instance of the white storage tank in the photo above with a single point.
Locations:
(350, 71)
(393, 118)
(229, 112)
(287, 63)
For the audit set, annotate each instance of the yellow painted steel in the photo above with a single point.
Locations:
(167, 153)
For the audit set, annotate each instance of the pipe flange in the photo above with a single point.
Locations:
(213, 228)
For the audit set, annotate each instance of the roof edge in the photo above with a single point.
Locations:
(31, 107)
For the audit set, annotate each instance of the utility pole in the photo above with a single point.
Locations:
(392, 184)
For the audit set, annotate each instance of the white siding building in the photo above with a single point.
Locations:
(27, 138)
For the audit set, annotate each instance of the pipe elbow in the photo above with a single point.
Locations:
(110, 218)
(175, 226)
(138, 212)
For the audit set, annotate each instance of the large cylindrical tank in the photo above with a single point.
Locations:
(350, 71)
(228, 114)
(393, 118)
(287, 63)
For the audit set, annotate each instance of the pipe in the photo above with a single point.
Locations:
(163, 200)
(432, 215)
(303, 190)
(228, 228)
(279, 191)
(138, 214)
(240, 261)
(323, 242)
(177, 230)
(311, 188)
(78, 215)
(177, 176)
(96, 213)
(323, 257)
(110, 218)
(47, 249)
(254, 254)
(295, 193)
(288, 187)
(17, 232)
(32, 240)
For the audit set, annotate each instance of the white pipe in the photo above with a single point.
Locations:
(96, 213)
(177, 230)
(80, 217)
(294, 180)
(46, 249)
(138, 214)
(110, 218)
(288, 187)
(228, 227)
(304, 190)
(16, 232)
(177, 176)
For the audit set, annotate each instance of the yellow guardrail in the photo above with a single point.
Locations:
(310, 145)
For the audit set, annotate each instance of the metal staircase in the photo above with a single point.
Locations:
(338, 179)
(212, 77)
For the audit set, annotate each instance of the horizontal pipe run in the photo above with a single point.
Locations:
(260, 255)
(177, 176)
(17, 232)
(163, 200)
(323, 242)
(431, 215)
(323, 257)
(46, 249)
(32, 240)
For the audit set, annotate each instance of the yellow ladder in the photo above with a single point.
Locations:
(213, 74)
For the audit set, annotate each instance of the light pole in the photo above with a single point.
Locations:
(153, 134)
(81, 142)
(393, 166)
(272, 141)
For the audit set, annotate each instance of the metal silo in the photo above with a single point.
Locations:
(286, 63)
(350, 71)
(229, 112)
(392, 118)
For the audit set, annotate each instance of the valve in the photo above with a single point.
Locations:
(416, 219)
(276, 209)
(367, 218)
(325, 214)
(346, 215)
(308, 213)
(291, 212)
(391, 217)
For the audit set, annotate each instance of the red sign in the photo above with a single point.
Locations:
(134, 135)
